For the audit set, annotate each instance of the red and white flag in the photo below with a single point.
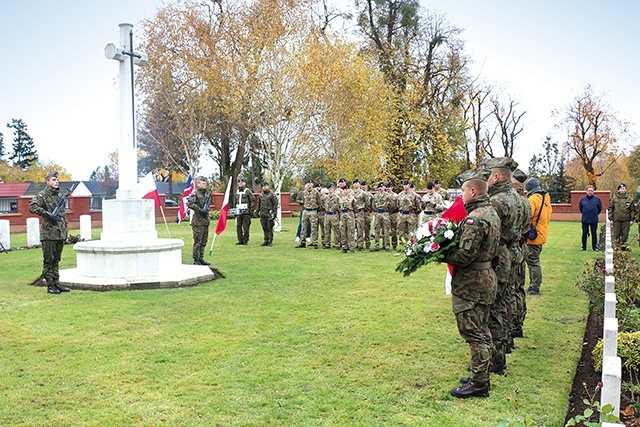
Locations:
(224, 211)
(456, 213)
(147, 189)
(183, 210)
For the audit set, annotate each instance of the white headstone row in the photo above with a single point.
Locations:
(611, 363)
(33, 231)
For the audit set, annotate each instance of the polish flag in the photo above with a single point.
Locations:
(222, 221)
(183, 211)
(456, 213)
(147, 189)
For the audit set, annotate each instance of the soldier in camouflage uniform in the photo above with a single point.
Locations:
(367, 214)
(518, 310)
(199, 202)
(360, 203)
(441, 191)
(311, 201)
(321, 231)
(506, 202)
(346, 205)
(244, 206)
(331, 218)
(474, 282)
(267, 210)
(381, 202)
(409, 207)
(393, 215)
(431, 203)
(53, 230)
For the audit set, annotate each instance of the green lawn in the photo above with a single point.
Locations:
(291, 337)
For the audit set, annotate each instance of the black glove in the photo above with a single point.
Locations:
(51, 218)
(205, 210)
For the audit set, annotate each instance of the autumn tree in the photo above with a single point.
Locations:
(549, 167)
(594, 132)
(34, 173)
(634, 163)
(23, 152)
(2, 147)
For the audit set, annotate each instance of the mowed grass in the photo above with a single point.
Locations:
(291, 337)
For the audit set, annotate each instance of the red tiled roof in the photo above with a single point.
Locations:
(13, 189)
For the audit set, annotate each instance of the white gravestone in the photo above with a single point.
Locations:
(33, 232)
(85, 227)
(5, 233)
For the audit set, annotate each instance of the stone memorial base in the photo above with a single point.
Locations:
(130, 256)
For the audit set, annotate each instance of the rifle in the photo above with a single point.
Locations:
(207, 203)
(61, 205)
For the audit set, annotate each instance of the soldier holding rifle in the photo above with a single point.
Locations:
(199, 202)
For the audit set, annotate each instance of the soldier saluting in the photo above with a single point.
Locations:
(50, 205)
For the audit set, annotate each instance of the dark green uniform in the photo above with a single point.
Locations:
(621, 213)
(267, 210)
(244, 207)
(474, 282)
(53, 232)
(200, 220)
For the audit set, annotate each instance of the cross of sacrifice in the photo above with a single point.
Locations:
(127, 151)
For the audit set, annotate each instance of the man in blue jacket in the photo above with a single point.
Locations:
(590, 207)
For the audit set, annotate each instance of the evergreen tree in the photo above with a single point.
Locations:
(24, 151)
(2, 149)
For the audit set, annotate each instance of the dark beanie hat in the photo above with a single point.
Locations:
(532, 185)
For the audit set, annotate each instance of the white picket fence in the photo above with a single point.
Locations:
(611, 364)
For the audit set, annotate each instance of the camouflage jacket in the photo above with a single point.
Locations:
(432, 202)
(409, 201)
(43, 204)
(506, 202)
(245, 196)
(310, 199)
(346, 201)
(393, 203)
(330, 202)
(267, 204)
(479, 232)
(196, 202)
(382, 201)
(360, 199)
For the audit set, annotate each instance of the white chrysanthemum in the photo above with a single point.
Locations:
(408, 252)
(423, 231)
(448, 234)
(426, 248)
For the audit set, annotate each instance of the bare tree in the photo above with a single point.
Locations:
(508, 124)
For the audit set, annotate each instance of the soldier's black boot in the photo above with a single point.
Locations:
(203, 262)
(196, 262)
(264, 243)
(472, 389)
(51, 289)
(302, 245)
(61, 288)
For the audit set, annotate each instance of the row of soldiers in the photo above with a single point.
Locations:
(344, 214)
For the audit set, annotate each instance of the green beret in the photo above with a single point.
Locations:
(482, 174)
(264, 183)
(501, 163)
(242, 180)
(519, 175)
(51, 174)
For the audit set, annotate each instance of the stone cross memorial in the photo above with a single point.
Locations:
(129, 254)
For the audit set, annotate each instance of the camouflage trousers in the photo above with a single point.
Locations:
(347, 231)
(381, 226)
(520, 298)
(267, 223)
(406, 224)
(393, 229)
(51, 254)
(243, 224)
(499, 321)
(310, 219)
(515, 298)
(473, 328)
(200, 237)
(360, 229)
(321, 228)
(331, 226)
(367, 229)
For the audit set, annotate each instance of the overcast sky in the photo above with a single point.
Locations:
(55, 77)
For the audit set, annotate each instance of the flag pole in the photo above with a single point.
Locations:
(165, 220)
(213, 241)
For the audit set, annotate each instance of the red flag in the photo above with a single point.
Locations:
(456, 212)
(222, 221)
(183, 211)
(147, 189)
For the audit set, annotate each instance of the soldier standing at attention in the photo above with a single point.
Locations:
(331, 218)
(367, 214)
(244, 207)
(409, 207)
(53, 230)
(474, 282)
(381, 202)
(360, 203)
(437, 185)
(267, 210)
(321, 213)
(506, 204)
(621, 214)
(199, 202)
(346, 204)
(393, 215)
(310, 203)
(519, 264)
(432, 203)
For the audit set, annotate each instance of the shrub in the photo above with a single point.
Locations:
(628, 350)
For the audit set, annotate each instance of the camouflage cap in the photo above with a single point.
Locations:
(501, 163)
(482, 174)
(519, 175)
(51, 174)
(201, 178)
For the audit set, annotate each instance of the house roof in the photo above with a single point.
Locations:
(13, 189)
(37, 187)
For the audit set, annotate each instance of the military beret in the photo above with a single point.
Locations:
(501, 163)
(389, 184)
(436, 181)
(405, 182)
(242, 180)
(430, 185)
(622, 185)
(330, 186)
(342, 180)
(309, 181)
(380, 184)
(482, 174)
(264, 183)
(519, 175)
(363, 183)
(51, 174)
(356, 180)
(318, 185)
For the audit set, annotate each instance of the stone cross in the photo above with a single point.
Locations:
(127, 149)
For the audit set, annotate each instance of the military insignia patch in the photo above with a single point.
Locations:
(469, 221)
